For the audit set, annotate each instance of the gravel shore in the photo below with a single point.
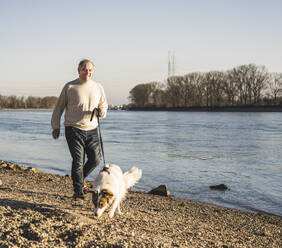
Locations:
(37, 210)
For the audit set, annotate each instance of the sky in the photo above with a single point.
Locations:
(42, 41)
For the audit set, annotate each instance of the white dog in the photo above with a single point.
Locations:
(110, 187)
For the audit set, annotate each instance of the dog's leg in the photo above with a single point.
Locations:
(118, 208)
(115, 205)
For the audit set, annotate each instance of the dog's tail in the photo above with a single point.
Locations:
(132, 176)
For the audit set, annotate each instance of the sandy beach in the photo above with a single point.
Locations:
(37, 210)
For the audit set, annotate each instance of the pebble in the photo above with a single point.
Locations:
(147, 220)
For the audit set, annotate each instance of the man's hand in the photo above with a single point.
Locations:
(56, 133)
(98, 112)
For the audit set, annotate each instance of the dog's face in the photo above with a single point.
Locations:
(102, 201)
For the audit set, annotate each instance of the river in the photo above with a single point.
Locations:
(187, 151)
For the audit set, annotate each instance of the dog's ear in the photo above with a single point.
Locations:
(107, 197)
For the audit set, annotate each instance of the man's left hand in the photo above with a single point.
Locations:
(56, 133)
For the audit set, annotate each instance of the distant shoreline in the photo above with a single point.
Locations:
(29, 109)
(23, 109)
(181, 109)
(213, 109)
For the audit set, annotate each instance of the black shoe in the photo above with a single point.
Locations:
(77, 196)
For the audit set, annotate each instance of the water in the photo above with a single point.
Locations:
(187, 151)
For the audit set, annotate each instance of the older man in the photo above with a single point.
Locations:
(78, 98)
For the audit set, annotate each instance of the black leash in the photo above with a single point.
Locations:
(100, 136)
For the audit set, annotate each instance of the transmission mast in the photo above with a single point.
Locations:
(171, 64)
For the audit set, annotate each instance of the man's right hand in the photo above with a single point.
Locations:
(56, 133)
(98, 112)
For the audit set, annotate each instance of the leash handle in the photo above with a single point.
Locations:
(92, 114)
(99, 129)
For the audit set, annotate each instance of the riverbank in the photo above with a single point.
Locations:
(271, 108)
(24, 109)
(275, 108)
(37, 210)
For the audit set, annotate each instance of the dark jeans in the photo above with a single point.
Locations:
(82, 142)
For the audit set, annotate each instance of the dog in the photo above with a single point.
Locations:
(110, 187)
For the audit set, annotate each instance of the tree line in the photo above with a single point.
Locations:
(244, 85)
(31, 102)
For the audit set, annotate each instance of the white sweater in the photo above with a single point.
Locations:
(78, 100)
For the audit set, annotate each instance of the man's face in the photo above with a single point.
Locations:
(85, 72)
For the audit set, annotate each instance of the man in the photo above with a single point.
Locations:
(78, 98)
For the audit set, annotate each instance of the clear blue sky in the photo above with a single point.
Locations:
(42, 41)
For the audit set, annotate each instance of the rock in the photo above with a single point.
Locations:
(1, 182)
(221, 187)
(33, 169)
(11, 166)
(161, 190)
(19, 167)
(3, 165)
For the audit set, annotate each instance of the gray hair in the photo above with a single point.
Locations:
(84, 61)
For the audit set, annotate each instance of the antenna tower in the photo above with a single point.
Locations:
(171, 64)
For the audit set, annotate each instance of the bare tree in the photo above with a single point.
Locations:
(175, 92)
(250, 81)
(12, 101)
(259, 78)
(33, 102)
(193, 89)
(48, 102)
(275, 85)
(198, 80)
(243, 85)
(3, 100)
(142, 94)
(214, 88)
(239, 77)
(158, 95)
(230, 88)
(15, 102)
(188, 91)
